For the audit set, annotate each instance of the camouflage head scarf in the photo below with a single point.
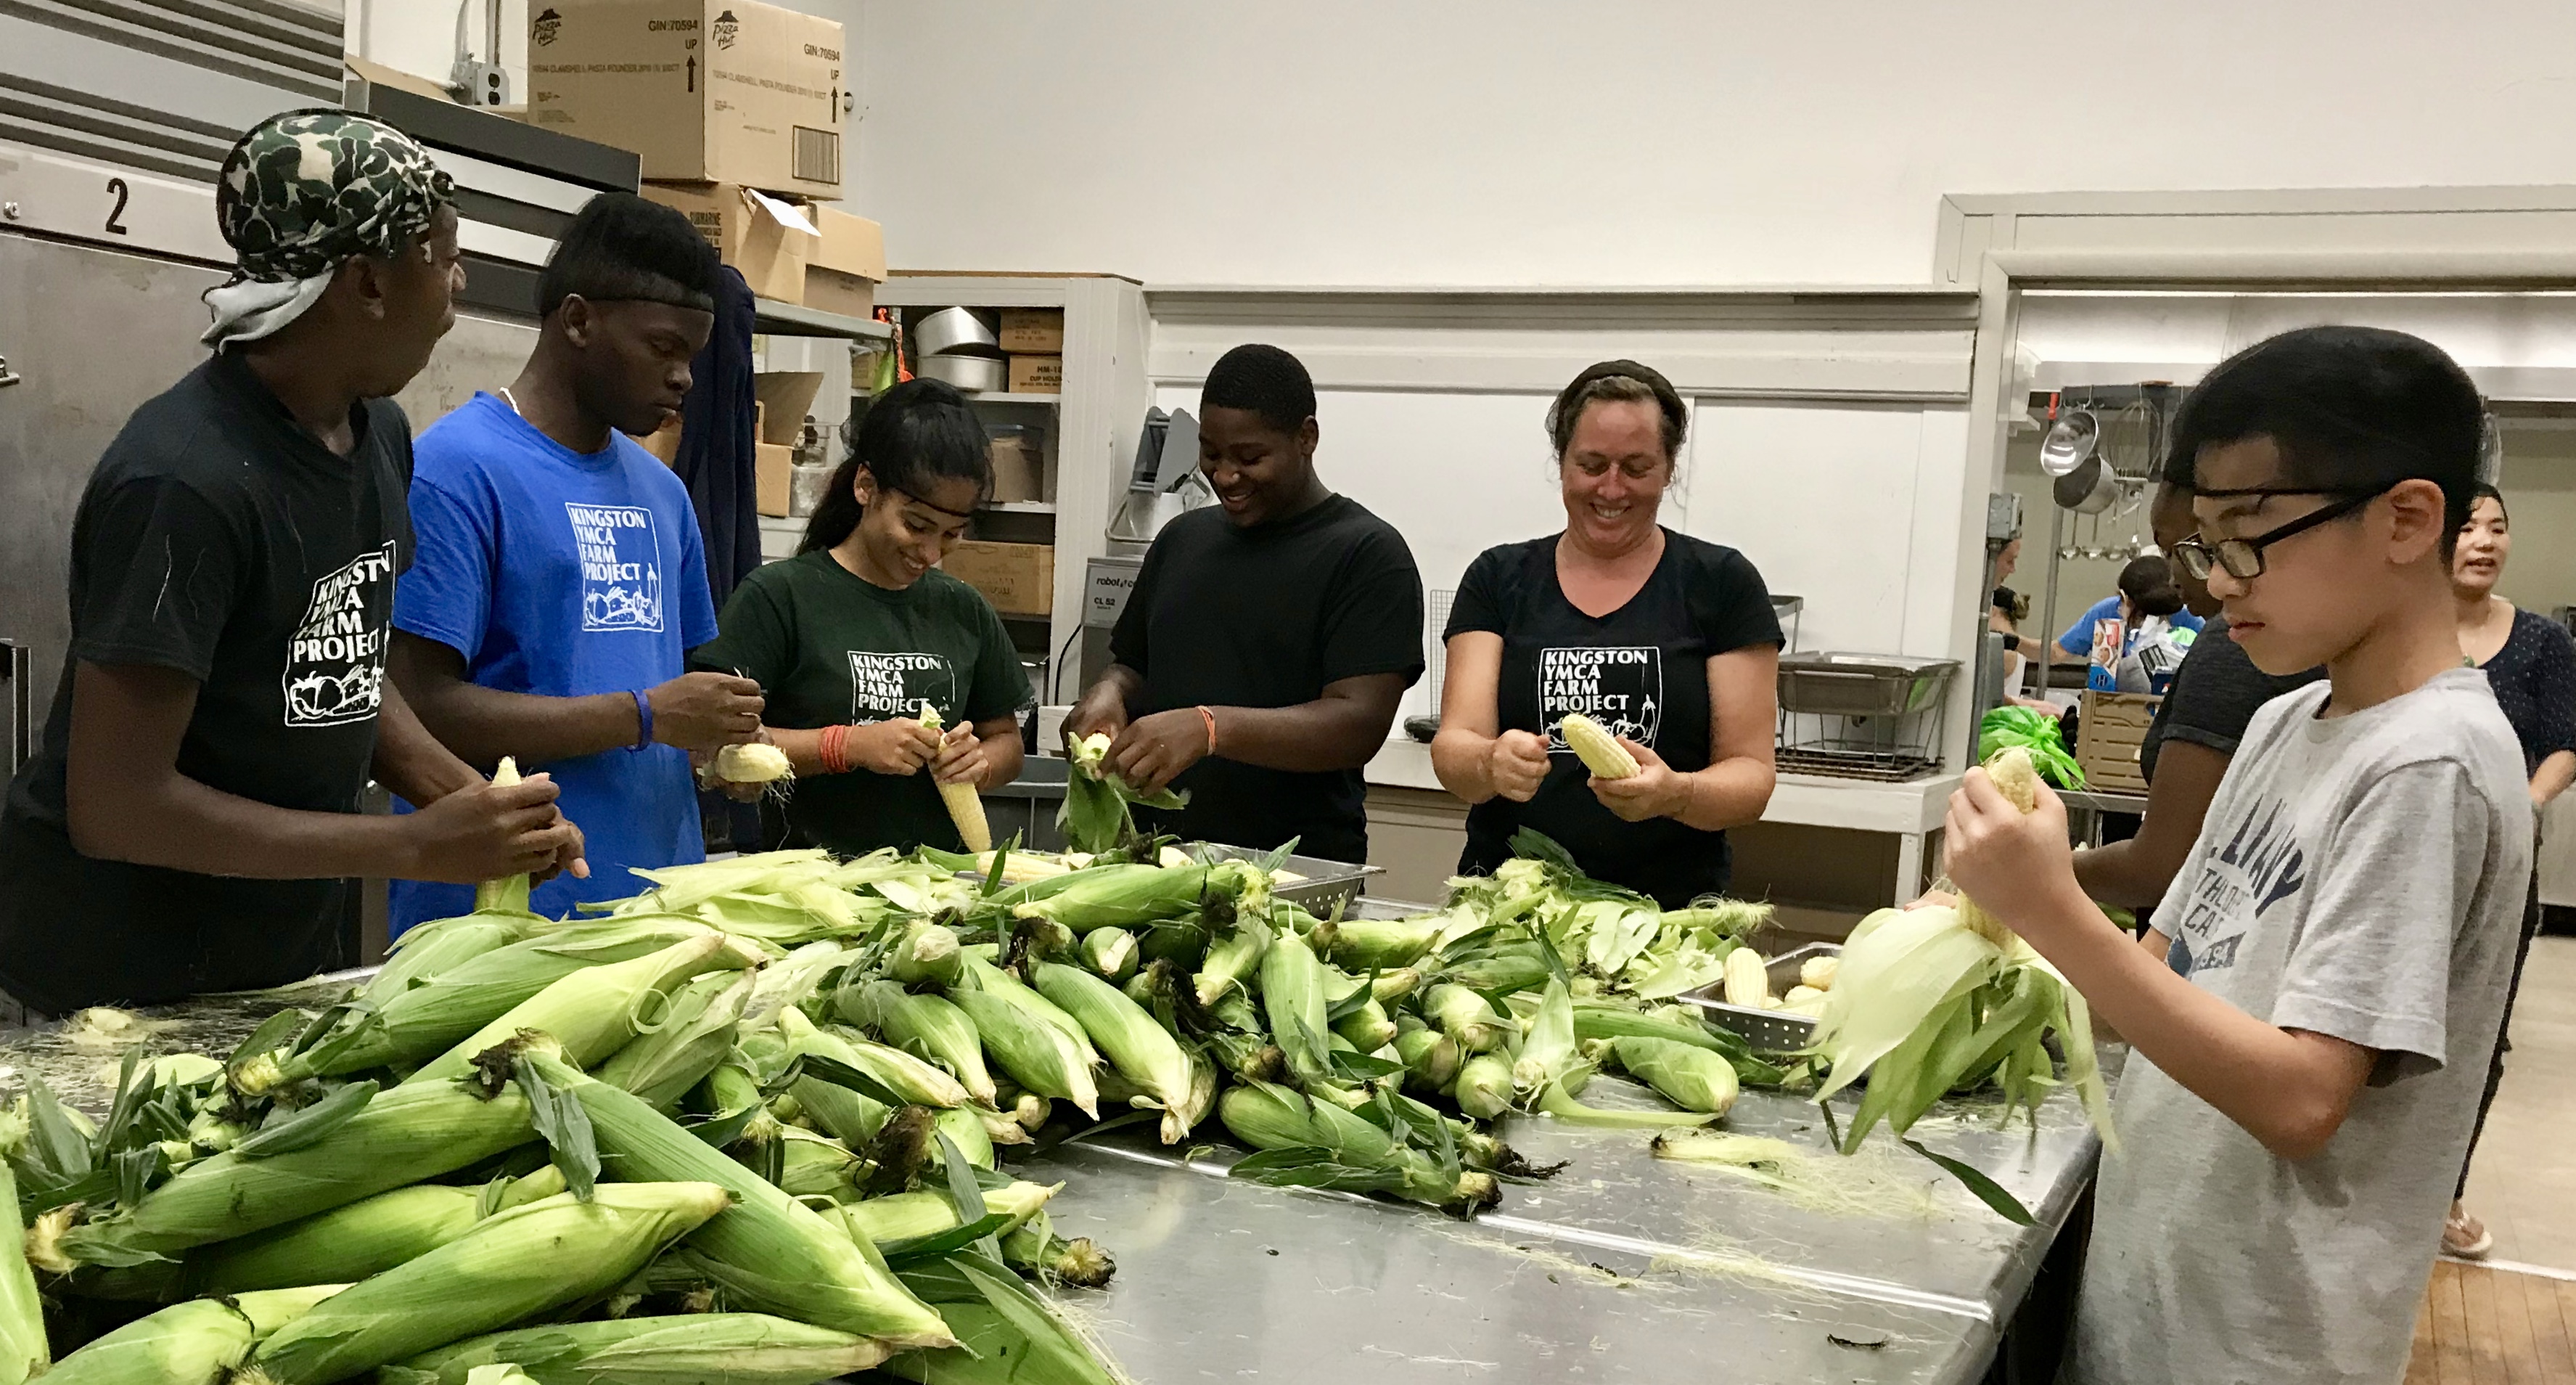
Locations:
(302, 194)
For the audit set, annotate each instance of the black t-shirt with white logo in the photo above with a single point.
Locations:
(1641, 671)
(1265, 617)
(219, 539)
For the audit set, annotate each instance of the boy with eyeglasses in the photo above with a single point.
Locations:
(2311, 1016)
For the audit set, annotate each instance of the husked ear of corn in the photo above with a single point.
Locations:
(1599, 751)
(965, 805)
(736, 1348)
(1141, 1049)
(341, 1246)
(193, 1342)
(752, 763)
(595, 1012)
(770, 1252)
(510, 894)
(926, 1025)
(1817, 973)
(511, 1267)
(403, 1136)
(1748, 983)
(2018, 780)
(1693, 1079)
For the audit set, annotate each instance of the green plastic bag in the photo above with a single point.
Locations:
(2036, 732)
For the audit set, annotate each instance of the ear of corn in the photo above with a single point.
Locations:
(405, 1135)
(1271, 1117)
(850, 1117)
(1378, 944)
(1547, 1050)
(1137, 1046)
(1294, 1001)
(1110, 953)
(515, 1265)
(662, 1065)
(770, 1252)
(1599, 751)
(1465, 1016)
(752, 763)
(509, 894)
(918, 1082)
(909, 1216)
(23, 1350)
(965, 806)
(927, 955)
(341, 1246)
(1430, 1058)
(1748, 984)
(1693, 1079)
(735, 1348)
(1230, 961)
(2018, 780)
(1484, 1086)
(193, 1343)
(595, 1012)
(1132, 896)
(1036, 1054)
(927, 1025)
(1367, 1028)
(429, 950)
(1817, 973)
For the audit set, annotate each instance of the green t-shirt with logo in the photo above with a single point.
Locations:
(829, 647)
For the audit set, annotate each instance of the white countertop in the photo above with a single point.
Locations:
(1803, 800)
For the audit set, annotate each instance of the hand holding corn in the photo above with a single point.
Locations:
(490, 832)
(2007, 849)
(1630, 779)
(1154, 750)
(705, 711)
(897, 745)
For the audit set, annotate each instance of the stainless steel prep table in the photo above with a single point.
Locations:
(1622, 1267)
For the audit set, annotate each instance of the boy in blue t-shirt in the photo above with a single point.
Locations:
(560, 582)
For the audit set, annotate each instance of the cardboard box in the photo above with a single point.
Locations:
(719, 91)
(1018, 578)
(784, 398)
(842, 273)
(665, 443)
(1039, 331)
(2111, 728)
(766, 238)
(774, 470)
(1037, 375)
(1019, 465)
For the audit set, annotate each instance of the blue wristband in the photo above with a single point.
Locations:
(643, 722)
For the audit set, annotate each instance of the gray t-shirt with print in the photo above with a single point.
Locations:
(2361, 877)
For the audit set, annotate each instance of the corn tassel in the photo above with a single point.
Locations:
(965, 805)
(594, 1013)
(193, 1343)
(512, 1267)
(1599, 751)
(770, 1253)
(403, 1136)
(690, 1349)
(926, 1025)
(341, 1246)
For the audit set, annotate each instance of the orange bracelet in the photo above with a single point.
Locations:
(833, 749)
(1210, 718)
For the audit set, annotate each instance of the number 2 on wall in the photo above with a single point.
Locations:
(117, 186)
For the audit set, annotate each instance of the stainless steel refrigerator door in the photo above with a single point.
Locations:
(90, 335)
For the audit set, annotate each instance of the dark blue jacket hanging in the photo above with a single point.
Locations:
(715, 460)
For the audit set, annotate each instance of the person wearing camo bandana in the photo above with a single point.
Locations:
(192, 821)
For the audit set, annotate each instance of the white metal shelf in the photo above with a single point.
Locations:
(1019, 507)
(796, 320)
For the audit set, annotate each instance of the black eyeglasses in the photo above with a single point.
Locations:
(2243, 558)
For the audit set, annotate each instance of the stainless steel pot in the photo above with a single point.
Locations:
(972, 374)
(951, 331)
(2089, 489)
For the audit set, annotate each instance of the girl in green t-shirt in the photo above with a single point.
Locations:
(852, 635)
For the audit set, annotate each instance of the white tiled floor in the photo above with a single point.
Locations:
(2523, 1180)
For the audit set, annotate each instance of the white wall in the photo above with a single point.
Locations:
(1659, 142)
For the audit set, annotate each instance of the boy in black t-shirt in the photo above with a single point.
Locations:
(189, 820)
(1267, 642)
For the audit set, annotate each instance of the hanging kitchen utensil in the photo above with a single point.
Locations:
(2070, 441)
(2089, 488)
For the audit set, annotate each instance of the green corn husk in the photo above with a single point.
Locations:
(1038, 1055)
(341, 1246)
(23, 1350)
(1691, 1078)
(1110, 953)
(401, 1137)
(1136, 1046)
(195, 1343)
(984, 976)
(1500, 974)
(1484, 1086)
(430, 950)
(1036, 1251)
(661, 1066)
(1130, 896)
(594, 1013)
(1431, 1059)
(927, 1026)
(1465, 1016)
(511, 1267)
(916, 1080)
(690, 1349)
(1558, 1103)
(967, 1128)
(927, 955)
(1293, 999)
(1230, 962)
(1389, 987)
(1008, 1334)
(882, 1221)
(1367, 1028)
(813, 1166)
(1547, 1050)
(1355, 1154)
(1381, 944)
(851, 1117)
(429, 1018)
(770, 1253)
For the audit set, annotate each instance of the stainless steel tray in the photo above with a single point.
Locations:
(1771, 1031)
(1328, 885)
(1862, 685)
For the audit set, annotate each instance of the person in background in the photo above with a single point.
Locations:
(192, 820)
(2004, 616)
(2195, 731)
(2530, 661)
(2305, 1059)
(1666, 640)
(856, 632)
(1263, 652)
(560, 581)
(2146, 592)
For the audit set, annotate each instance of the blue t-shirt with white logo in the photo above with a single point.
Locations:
(561, 574)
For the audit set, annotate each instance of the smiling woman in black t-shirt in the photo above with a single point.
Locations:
(1666, 640)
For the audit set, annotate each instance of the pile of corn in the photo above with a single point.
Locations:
(751, 1124)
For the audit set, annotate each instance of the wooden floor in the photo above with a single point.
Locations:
(2494, 1327)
